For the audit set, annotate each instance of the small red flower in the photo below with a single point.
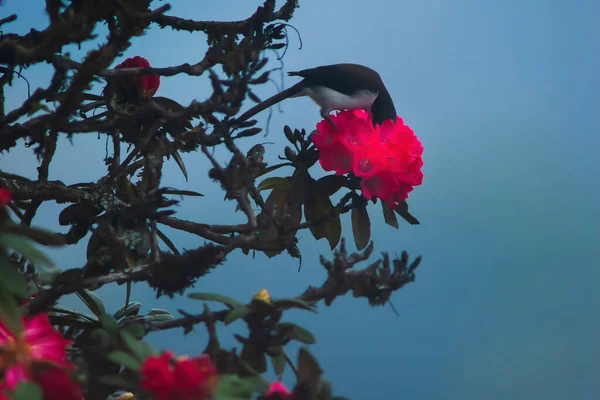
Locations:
(182, 378)
(5, 196)
(147, 85)
(277, 390)
(387, 157)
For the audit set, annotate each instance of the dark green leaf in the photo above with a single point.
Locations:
(330, 184)
(109, 324)
(125, 359)
(137, 348)
(231, 387)
(180, 163)
(158, 318)
(361, 226)
(159, 311)
(183, 192)
(25, 248)
(325, 391)
(136, 329)
(296, 332)
(13, 280)
(309, 371)
(132, 309)
(228, 301)
(9, 311)
(255, 358)
(301, 183)
(271, 183)
(26, 391)
(285, 304)
(402, 210)
(236, 313)
(167, 241)
(41, 236)
(278, 361)
(78, 314)
(92, 301)
(318, 208)
(389, 215)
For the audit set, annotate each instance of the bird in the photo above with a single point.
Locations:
(337, 87)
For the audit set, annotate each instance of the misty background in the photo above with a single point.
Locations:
(504, 97)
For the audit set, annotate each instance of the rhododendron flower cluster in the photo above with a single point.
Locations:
(147, 85)
(37, 354)
(386, 157)
(182, 378)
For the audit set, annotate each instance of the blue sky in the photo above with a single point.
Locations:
(504, 97)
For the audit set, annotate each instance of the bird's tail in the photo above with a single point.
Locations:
(284, 94)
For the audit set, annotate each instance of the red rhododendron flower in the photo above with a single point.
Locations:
(387, 157)
(5, 196)
(277, 390)
(146, 84)
(182, 378)
(58, 385)
(39, 344)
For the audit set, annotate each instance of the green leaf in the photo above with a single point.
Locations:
(301, 183)
(159, 311)
(135, 328)
(271, 183)
(137, 348)
(254, 357)
(109, 323)
(285, 304)
(180, 163)
(24, 247)
(183, 192)
(13, 281)
(309, 371)
(278, 362)
(9, 311)
(167, 241)
(125, 359)
(325, 391)
(231, 387)
(132, 308)
(402, 210)
(361, 226)
(318, 207)
(330, 184)
(236, 313)
(92, 301)
(388, 215)
(228, 301)
(26, 391)
(296, 332)
(41, 236)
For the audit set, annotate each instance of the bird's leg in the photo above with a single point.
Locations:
(325, 115)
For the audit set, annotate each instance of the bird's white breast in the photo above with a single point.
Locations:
(333, 100)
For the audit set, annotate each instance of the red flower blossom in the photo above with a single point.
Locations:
(38, 345)
(5, 196)
(277, 390)
(147, 85)
(387, 157)
(58, 385)
(182, 378)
